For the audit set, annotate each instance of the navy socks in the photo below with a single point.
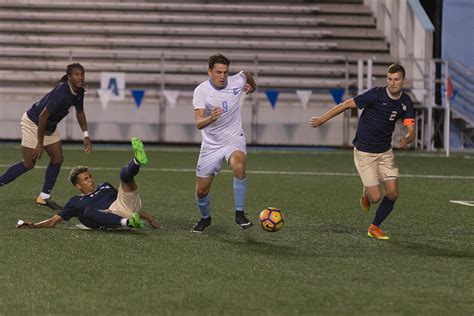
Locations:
(13, 172)
(129, 171)
(384, 209)
(50, 177)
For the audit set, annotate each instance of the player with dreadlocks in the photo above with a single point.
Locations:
(38, 131)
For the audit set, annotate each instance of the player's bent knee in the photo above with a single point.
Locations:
(202, 192)
(239, 172)
(392, 195)
(57, 161)
(29, 164)
(375, 198)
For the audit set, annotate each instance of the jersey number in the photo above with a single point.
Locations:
(224, 106)
(392, 116)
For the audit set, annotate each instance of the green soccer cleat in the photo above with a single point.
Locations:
(139, 151)
(135, 221)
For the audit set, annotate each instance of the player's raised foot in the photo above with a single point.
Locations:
(201, 225)
(364, 202)
(139, 151)
(48, 203)
(135, 221)
(376, 232)
(243, 221)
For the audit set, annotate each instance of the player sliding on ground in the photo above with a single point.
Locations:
(373, 155)
(103, 206)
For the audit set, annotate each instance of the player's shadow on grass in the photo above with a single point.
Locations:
(337, 228)
(430, 251)
(249, 240)
(119, 230)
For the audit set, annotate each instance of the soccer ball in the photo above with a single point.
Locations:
(271, 219)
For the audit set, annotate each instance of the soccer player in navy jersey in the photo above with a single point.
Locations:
(38, 131)
(373, 156)
(103, 206)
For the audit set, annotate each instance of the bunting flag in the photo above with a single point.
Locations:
(337, 94)
(450, 90)
(272, 96)
(171, 97)
(138, 96)
(419, 94)
(104, 97)
(304, 96)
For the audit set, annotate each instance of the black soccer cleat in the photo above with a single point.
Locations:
(243, 221)
(201, 225)
(48, 203)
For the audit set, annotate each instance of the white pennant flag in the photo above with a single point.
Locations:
(304, 96)
(171, 97)
(104, 96)
(419, 94)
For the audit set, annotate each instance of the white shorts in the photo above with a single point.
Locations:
(210, 159)
(29, 134)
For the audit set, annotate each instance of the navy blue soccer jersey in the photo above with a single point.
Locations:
(103, 196)
(377, 121)
(58, 102)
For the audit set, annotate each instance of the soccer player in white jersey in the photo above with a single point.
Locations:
(217, 104)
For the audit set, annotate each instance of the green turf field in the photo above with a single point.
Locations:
(321, 263)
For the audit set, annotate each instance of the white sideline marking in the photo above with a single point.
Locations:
(467, 203)
(274, 172)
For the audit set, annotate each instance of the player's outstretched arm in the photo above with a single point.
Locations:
(149, 218)
(81, 119)
(338, 109)
(49, 223)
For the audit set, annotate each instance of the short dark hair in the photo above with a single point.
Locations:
(218, 59)
(394, 68)
(77, 170)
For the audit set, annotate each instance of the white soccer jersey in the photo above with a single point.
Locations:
(230, 100)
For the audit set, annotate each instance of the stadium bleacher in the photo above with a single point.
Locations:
(303, 45)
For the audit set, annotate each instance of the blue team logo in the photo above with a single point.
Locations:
(236, 91)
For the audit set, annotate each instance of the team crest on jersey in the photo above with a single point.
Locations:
(404, 107)
(236, 91)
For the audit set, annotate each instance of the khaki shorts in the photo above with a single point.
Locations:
(29, 134)
(375, 168)
(126, 203)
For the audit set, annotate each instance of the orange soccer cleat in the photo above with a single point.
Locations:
(376, 232)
